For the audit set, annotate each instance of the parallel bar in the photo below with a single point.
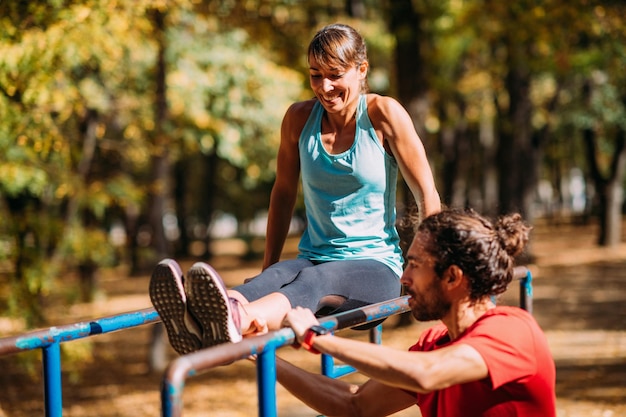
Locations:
(185, 366)
(49, 341)
(42, 338)
(331, 370)
(264, 347)
(53, 397)
(525, 288)
(195, 363)
(266, 383)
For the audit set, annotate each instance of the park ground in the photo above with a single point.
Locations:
(579, 300)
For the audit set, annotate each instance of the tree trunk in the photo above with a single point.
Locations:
(610, 190)
(611, 226)
(209, 193)
(160, 189)
(182, 213)
(457, 158)
(489, 186)
(410, 58)
(517, 157)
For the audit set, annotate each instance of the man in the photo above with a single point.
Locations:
(482, 360)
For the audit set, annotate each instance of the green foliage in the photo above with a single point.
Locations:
(16, 178)
(226, 96)
(75, 102)
(77, 98)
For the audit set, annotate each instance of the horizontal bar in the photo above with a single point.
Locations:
(520, 272)
(198, 362)
(41, 338)
(46, 337)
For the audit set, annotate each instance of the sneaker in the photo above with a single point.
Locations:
(169, 300)
(208, 301)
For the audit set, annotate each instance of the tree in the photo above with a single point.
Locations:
(62, 100)
(594, 107)
(227, 101)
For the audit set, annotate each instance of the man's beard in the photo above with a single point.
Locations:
(431, 305)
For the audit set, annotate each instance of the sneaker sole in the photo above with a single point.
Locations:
(209, 304)
(168, 298)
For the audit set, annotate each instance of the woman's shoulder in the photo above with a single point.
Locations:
(297, 116)
(377, 100)
(301, 108)
(383, 109)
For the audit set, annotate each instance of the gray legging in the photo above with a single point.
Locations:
(304, 282)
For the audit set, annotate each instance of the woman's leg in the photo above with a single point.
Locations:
(256, 306)
(270, 280)
(262, 307)
(264, 314)
(362, 281)
(263, 302)
(367, 281)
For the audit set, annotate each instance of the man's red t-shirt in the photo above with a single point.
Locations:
(521, 369)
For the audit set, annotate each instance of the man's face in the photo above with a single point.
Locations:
(428, 301)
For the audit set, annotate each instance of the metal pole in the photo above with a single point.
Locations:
(526, 292)
(265, 348)
(53, 397)
(266, 383)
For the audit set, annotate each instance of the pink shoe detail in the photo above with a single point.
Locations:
(169, 300)
(208, 301)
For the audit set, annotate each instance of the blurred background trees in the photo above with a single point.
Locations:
(135, 130)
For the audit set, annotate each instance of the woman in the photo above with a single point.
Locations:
(347, 146)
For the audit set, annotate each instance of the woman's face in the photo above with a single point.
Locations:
(336, 88)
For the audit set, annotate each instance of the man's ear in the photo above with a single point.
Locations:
(453, 277)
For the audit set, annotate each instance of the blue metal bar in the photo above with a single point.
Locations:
(49, 341)
(42, 338)
(264, 347)
(331, 370)
(53, 397)
(376, 334)
(266, 383)
(195, 363)
(525, 289)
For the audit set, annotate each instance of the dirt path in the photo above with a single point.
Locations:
(579, 298)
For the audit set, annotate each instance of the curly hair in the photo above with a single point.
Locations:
(339, 46)
(482, 249)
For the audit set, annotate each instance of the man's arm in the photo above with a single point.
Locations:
(414, 371)
(334, 397)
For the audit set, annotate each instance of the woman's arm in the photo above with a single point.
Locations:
(285, 189)
(395, 126)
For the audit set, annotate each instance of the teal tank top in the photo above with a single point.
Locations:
(349, 197)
